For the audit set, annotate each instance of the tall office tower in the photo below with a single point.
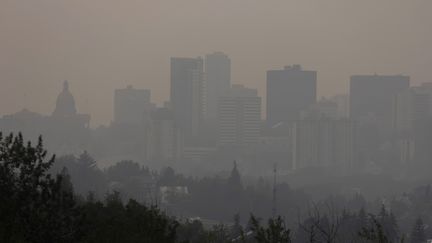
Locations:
(131, 106)
(289, 91)
(324, 108)
(164, 140)
(372, 101)
(411, 106)
(218, 80)
(239, 117)
(373, 96)
(188, 94)
(342, 101)
(323, 142)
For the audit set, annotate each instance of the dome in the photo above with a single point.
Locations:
(65, 105)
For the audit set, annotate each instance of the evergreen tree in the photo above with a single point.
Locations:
(418, 234)
(34, 207)
(234, 181)
(275, 232)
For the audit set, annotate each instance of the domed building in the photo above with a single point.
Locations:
(65, 131)
(65, 105)
(66, 112)
(69, 131)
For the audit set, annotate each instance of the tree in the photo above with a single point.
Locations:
(34, 206)
(376, 233)
(276, 231)
(113, 221)
(418, 234)
(388, 223)
(234, 181)
(321, 228)
(84, 173)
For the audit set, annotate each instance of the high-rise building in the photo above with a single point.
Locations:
(342, 101)
(187, 97)
(164, 138)
(131, 106)
(410, 106)
(372, 102)
(239, 117)
(412, 110)
(324, 108)
(323, 142)
(218, 80)
(373, 96)
(289, 91)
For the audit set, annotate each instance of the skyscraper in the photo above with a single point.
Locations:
(239, 117)
(218, 80)
(188, 94)
(131, 105)
(373, 96)
(372, 105)
(289, 91)
(411, 106)
(164, 139)
(323, 142)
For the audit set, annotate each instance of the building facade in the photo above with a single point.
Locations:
(239, 117)
(218, 81)
(374, 95)
(187, 97)
(289, 91)
(131, 106)
(164, 138)
(323, 142)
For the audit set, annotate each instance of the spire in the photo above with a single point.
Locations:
(274, 211)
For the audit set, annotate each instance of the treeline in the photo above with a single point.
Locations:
(36, 206)
(217, 198)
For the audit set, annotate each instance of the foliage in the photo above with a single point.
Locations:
(418, 234)
(34, 206)
(275, 232)
(114, 222)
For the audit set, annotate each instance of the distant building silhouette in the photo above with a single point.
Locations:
(218, 80)
(131, 106)
(342, 101)
(164, 138)
(372, 105)
(65, 113)
(374, 95)
(410, 106)
(239, 117)
(65, 131)
(187, 96)
(68, 130)
(323, 142)
(289, 91)
(324, 108)
(65, 104)
(412, 113)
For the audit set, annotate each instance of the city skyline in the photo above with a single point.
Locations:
(216, 121)
(50, 41)
(161, 103)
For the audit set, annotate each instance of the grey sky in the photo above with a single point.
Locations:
(100, 45)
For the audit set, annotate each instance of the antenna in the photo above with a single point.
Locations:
(274, 190)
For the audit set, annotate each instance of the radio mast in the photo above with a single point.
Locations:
(274, 211)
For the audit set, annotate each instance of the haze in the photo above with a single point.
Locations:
(101, 45)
